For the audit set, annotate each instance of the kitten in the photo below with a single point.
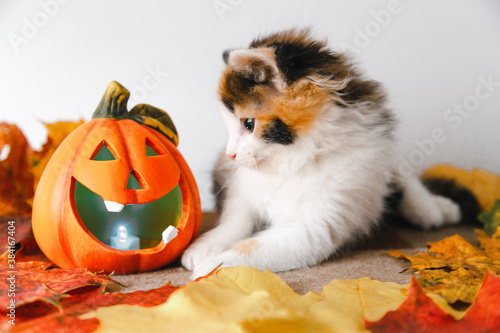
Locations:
(309, 161)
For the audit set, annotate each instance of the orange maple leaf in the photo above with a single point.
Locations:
(16, 185)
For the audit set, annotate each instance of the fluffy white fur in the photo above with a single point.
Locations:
(293, 206)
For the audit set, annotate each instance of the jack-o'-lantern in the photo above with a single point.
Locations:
(117, 195)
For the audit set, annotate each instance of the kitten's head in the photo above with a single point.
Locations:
(273, 93)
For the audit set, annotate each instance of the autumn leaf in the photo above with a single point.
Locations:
(16, 185)
(34, 285)
(419, 313)
(32, 279)
(247, 300)
(39, 318)
(45, 285)
(454, 268)
(491, 218)
(27, 251)
(484, 314)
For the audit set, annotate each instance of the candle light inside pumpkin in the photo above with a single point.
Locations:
(124, 241)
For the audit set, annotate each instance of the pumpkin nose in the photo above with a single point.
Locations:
(232, 156)
(132, 182)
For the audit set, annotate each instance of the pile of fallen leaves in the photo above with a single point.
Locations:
(243, 299)
(49, 299)
(455, 269)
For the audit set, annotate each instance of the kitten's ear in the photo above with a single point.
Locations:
(254, 64)
(225, 55)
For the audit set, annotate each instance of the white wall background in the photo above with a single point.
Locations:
(57, 57)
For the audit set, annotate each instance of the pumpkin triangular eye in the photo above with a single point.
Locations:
(133, 182)
(102, 153)
(150, 151)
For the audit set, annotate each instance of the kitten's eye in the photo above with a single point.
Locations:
(249, 124)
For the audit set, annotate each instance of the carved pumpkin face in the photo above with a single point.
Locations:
(119, 176)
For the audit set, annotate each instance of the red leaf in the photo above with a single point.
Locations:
(36, 284)
(79, 303)
(420, 314)
(26, 247)
(58, 323)
(484, 313)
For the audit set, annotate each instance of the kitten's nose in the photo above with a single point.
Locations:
(232, 156)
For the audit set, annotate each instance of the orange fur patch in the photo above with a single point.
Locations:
(297, 106)
(300, 105)
(246, 246)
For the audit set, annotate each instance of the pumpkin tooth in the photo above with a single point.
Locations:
(114, 207)
(170, 233)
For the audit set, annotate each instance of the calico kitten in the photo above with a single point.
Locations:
(309, 161)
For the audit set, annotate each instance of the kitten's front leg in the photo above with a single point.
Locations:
(236, 223)
(279, 248)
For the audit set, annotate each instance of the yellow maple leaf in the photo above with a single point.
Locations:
(243, 299)
(491, 245)
(458, 285)
(454, 268)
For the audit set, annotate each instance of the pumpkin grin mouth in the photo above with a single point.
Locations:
(130, 226)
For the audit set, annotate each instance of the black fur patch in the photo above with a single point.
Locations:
(469, 206)
(238, 86)
(299, 56)
(238, 89)
(278, 132)
(362, 91)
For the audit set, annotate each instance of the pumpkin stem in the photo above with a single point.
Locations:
(113, 103)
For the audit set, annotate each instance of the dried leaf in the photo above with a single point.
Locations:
(26, 264)
(455, 269)
(37, 318)
(419, 313)
(491, 245)
(244, 299)
(458, 285)
(45, 285)
(16, 185)
(484, 314)
(25, 249)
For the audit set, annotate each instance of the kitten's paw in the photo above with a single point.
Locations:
(449, 209)
(438, 212)
(226, 259)
(195, 254)
(205, 267)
